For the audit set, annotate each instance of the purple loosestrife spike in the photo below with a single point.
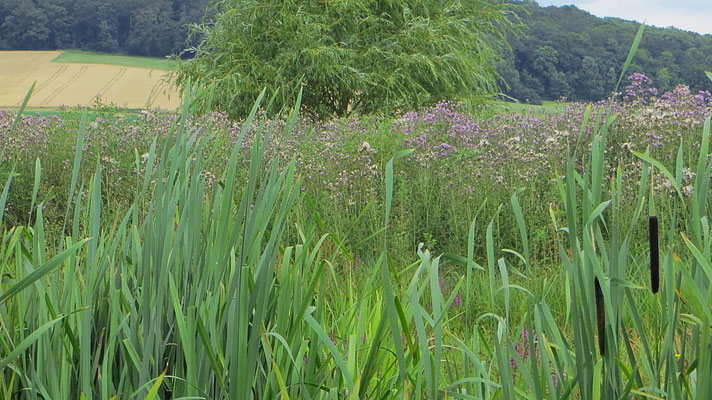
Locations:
(601, 317)
(654, 254)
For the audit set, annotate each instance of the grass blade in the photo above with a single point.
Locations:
(22, 108)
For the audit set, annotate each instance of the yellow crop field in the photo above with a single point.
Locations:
(72, 84)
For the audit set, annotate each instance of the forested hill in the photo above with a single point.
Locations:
(562, 52)
(137, 27)
(567, 52)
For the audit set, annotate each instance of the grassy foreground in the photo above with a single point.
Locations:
(76, 56)
(197, 287)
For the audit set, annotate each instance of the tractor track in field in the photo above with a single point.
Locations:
(156, 91)
(59, 84)
(113, 80)
(51, 79)
(67, 84)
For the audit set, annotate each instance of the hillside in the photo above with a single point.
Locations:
(567, 52)
(153, 28)
(560, 52)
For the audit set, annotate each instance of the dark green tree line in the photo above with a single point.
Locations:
(138, 27)
(567, 52)
(561, 51)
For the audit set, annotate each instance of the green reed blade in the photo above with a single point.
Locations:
(31, 339)
(326, 341)
(514, 200)
(22, 108)
(631, 54)
(35, 187)
(41, 272)
(78, 151)
(662, 169)
(396, 329)
(3, 196)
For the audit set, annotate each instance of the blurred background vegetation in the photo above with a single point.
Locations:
(560, 51)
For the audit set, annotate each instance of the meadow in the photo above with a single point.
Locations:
(449, 252)
(85, 57)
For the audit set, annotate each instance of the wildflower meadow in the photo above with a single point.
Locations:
(454, 251)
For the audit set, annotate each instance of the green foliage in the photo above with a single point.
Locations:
(152, 28)
(350, 56)
(567, 52)
(194, 292)
(25, 25)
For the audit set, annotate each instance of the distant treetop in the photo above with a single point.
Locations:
(350, 56)
(154, 28)
(567, 52)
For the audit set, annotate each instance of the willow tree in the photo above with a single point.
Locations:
(349, 55)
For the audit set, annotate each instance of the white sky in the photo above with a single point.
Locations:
(689, 15)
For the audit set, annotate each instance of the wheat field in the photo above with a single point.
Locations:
(72, 84)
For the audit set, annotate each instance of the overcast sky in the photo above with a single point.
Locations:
(689, 15)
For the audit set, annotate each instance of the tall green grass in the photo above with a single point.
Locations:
(194, 293)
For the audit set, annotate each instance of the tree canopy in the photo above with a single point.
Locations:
(355, 55)
(138, 27)
(567, 52)
(368, 55)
